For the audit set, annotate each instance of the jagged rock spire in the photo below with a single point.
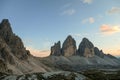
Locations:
(86, 48)
(56, 49)
(5, 29)
(98, 52)
(69, 46)
(10, 44)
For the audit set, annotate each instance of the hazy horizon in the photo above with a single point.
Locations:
(41, 23)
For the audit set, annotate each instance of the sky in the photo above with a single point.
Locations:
(41, 23)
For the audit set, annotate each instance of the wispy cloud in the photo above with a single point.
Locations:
(88, 20)
(68, 12)
(114, 10)
(87, 1)
(38, 53)
(108, 29)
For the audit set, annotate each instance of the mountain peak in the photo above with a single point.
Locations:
(69, 46)
(85, 39)
(85, 42)
(56, 49)
(5, 29)
(69, 37)
(5, 24)
(5, 21)
(86, 48)
(11, 44)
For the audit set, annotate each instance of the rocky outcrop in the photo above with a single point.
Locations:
(5, 52)
(69, 47)
(98, 52)
(86, 48)
(10, 44)
(56, 49)
(3, 66)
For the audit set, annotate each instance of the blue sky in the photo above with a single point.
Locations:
(40, 23)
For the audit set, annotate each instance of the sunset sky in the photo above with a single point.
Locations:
(41, 23)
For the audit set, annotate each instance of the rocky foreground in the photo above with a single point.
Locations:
(66, 75)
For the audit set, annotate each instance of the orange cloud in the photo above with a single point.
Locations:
(108, 29)
(38, 53)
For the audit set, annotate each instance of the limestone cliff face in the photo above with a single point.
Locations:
(3, 66)
(69, 46)
(98, 52)
(86, 48)
(5, 52)
(56, 49)
(10, 44)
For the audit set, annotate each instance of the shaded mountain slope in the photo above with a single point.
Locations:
(14, 54)
(15, 59)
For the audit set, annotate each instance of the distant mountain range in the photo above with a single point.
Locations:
(15, 59)
(69, 48)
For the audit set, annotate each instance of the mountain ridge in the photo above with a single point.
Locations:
(13, 54)
(86, 48)
(15, 59)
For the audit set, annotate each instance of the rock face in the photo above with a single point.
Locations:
(98, 52)
(5, 52)
(10, 44)
(3, 66)
(69, 47)
(86, 48)
(56, 49)
(14, 57)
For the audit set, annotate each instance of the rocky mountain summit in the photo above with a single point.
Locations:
(68, 48)
(15, 59)
(85, 49)
(56, 49)
(11, 44)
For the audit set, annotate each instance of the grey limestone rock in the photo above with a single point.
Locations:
(86, 48)
(69, 46)
(10, 44)
(56, 49)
